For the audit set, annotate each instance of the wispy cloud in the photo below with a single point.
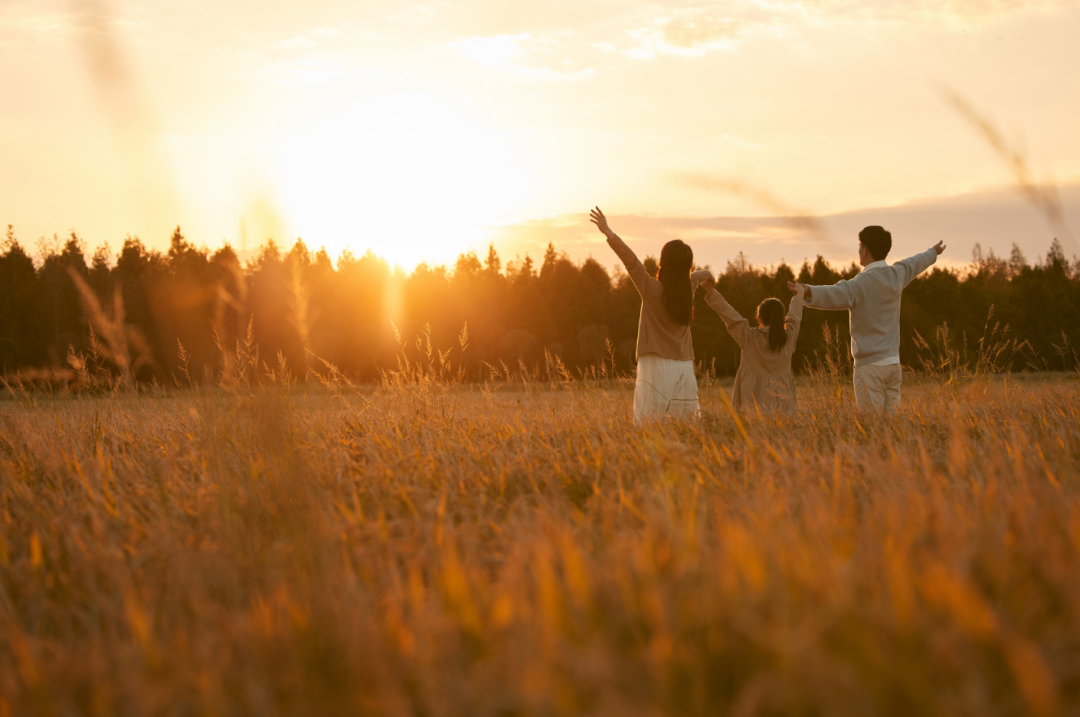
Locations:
(704, 32)
(696, 30)
(940, 14)
(994, 218)
(687, 39)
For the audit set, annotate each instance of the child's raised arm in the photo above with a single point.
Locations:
(794, 318)
(737, 326)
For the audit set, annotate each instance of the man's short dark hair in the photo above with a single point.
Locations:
(877, 241)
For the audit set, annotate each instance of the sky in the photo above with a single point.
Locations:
(420, 130)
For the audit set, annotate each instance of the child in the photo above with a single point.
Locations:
(665, 354)
(764, 379)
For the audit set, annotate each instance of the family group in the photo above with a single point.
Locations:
(665, 354)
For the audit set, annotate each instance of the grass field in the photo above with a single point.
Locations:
(524, 550)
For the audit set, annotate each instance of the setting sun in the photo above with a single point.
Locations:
(409, 178)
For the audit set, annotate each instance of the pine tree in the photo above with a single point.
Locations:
(1017, 261)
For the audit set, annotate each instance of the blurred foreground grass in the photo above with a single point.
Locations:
(455, 551)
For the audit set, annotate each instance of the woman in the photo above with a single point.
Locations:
(764, 379)
(665, 355)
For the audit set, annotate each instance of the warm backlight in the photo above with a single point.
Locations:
(408, 180)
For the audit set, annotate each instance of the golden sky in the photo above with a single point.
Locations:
(421, 129)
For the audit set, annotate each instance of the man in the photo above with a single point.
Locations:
(872, 299)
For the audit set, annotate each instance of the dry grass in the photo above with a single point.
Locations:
(434, 550)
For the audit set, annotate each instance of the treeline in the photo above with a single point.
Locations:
(183, 312)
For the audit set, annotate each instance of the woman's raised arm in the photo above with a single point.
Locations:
(633, 265)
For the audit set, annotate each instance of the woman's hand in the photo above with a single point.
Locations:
(597, 217)
(709, 284)
(798, 289)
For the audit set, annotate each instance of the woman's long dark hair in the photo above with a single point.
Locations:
(771, 313)
(676, 260)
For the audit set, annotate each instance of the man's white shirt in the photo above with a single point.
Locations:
(892, 360)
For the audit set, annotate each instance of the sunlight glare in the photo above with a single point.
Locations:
(410, 179)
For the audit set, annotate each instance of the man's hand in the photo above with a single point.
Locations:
(597, 217)
(709, 284)
(939, 247)
(797, 289)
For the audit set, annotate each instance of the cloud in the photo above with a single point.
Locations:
(696, 31)
(939, 14)
(958, 13)
(691, 39)
(994, 218)
(703, 33)
(693, 30)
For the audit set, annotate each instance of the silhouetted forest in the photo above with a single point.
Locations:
(177, 310)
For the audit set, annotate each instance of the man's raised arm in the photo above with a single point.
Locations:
(915, 265)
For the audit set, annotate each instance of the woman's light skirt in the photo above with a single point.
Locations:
(665, 387)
